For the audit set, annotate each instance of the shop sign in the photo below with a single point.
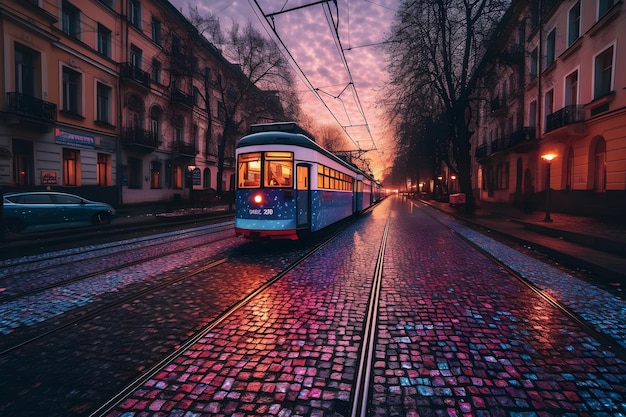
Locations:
(48, 178)
(64, 137)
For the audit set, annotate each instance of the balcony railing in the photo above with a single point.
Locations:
(524, 135)
(183, 148)
(481, 151)
(498, 145)
(566, 116)
(139, 139)
(182, 98)
(128, 70)
(29, 106)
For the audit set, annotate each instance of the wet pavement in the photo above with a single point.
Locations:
(456, 335)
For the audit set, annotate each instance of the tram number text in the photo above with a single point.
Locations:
(262, 212)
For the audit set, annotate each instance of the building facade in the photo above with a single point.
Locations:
(552, 109)
(114, 100)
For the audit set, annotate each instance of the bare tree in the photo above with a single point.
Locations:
(436, 48)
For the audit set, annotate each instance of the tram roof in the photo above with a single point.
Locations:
(292, 139)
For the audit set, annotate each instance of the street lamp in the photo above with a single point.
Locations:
(548, 157)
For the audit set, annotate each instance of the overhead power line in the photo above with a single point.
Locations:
(332, 17)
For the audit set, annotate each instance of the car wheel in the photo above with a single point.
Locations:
(101, 218)
(13, 225)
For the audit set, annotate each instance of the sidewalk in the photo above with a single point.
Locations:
(583, 242)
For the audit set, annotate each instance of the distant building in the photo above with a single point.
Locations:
(556, 85)
(119, 101)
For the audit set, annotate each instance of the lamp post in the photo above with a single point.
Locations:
(548, 157)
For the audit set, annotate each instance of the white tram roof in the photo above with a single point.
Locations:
(282, 135)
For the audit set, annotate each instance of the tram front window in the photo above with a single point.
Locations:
(278, 169)
(249, 167)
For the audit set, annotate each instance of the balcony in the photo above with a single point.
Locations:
(139, 140)
(498, 145)
(523, 140)
(183, 150)
(481, 151)
(498, 108)
(181, 98)
(134, 73)
(568, 115)
(30, 111)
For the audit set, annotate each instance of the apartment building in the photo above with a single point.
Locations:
(115, 100)
(552, 109)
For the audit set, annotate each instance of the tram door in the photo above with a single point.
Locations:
(303, 187)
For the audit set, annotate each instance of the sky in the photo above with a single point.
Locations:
(332, 91)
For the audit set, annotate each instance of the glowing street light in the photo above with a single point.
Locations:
(548, 157)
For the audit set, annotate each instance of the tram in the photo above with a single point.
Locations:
(289, 186)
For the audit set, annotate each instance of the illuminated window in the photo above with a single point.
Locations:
(278, 169)
(70, 167)
(103, 169)
(249, 170)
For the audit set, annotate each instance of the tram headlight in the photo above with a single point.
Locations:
(257, 198)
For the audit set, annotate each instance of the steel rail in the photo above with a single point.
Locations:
(604, 339)
(102, 271)
(98, 311)
(110, 404)
(361, 392)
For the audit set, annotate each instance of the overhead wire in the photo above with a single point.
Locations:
(269, 21)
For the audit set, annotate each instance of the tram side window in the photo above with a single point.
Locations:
(278, 169)
(249, 167)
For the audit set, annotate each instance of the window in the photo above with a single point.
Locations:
(103, 170)
(603, 73)
(604, 6)
(177, 176)
(108, 3)
(573, 24)
(134, 13)
(135, 112)
(332, 179)
(103, 105)
(207, 178)
(571, 89)
(23, 162)
(104, 41)
(71, 91)
(155, 174)
(135, 174)
(156, 30)
(278, 169)
(70, 20)
(26, 65)
(551, 48)
(71, 166)
(532, 114)
(548, 103)
(175, 45)
(135, 56)
(249, 170)
(155, 123)
(178, 129)
(156, 71)
(534, 64)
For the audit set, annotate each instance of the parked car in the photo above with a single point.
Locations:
(44, 210)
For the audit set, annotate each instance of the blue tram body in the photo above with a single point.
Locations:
(288, 185)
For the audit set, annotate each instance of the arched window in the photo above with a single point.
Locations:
(598, 169)
(156, 115)
(207, 178)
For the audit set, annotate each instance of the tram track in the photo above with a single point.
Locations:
(604, 339)
(110, 404)
(65, 261)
